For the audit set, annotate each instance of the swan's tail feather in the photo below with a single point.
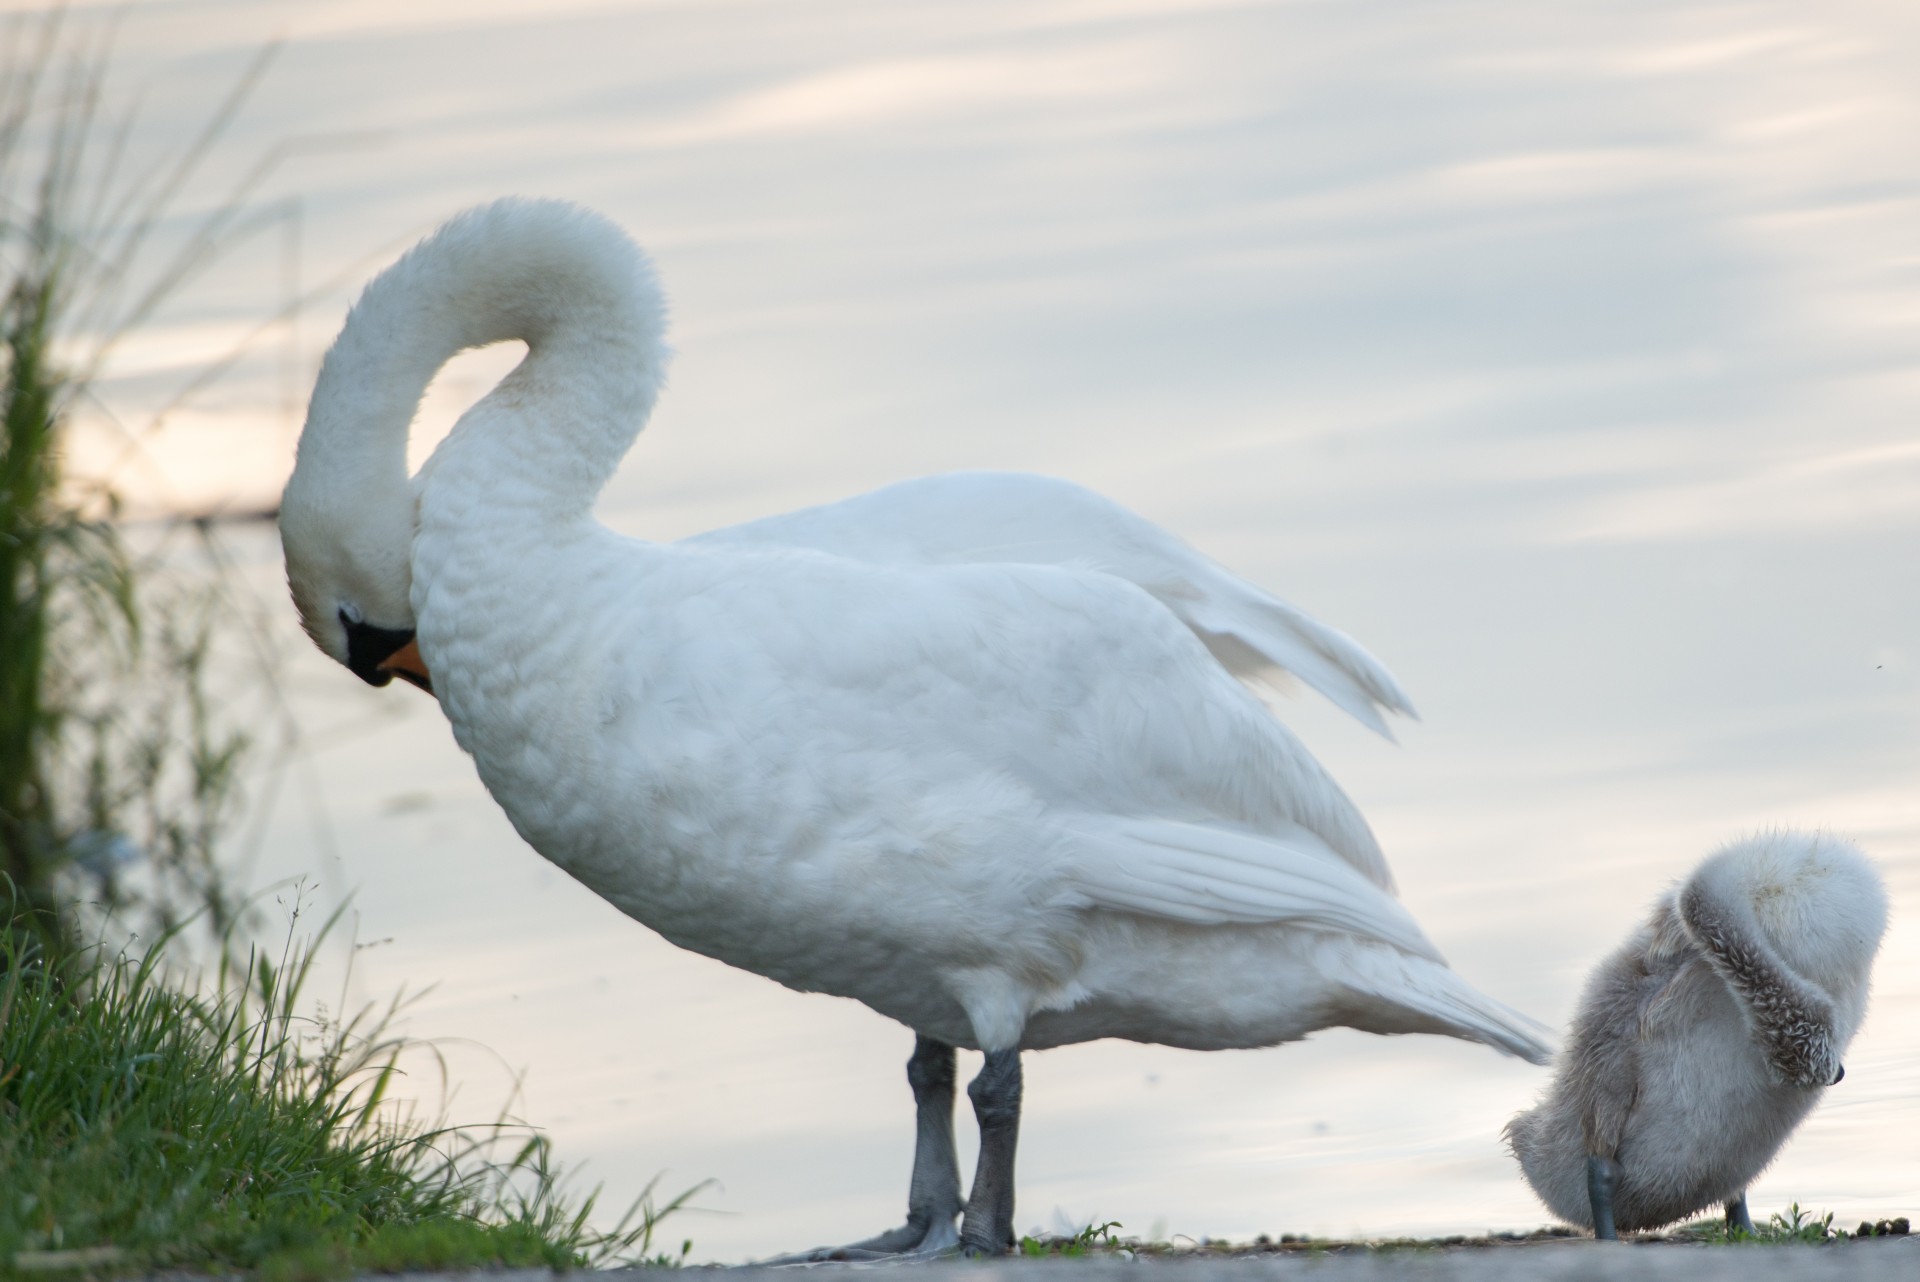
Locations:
(1436, 1000)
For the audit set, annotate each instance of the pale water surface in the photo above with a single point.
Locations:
(1569, 356)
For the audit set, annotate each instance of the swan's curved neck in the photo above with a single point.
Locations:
(567, 282)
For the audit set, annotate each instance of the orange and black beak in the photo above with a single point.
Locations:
(378, 655)
(407, 664)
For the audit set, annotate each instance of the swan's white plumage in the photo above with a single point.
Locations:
(1003, 518)
(1208, 876)
(1005, 795)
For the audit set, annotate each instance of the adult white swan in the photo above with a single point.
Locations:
(1011, 805)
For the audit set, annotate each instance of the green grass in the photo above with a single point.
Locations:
(1092, 1239)
(143, 1127)
(1793, 1225)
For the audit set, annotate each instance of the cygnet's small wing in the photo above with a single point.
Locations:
(979, 518)
(1209, 876)
(1793, 1019)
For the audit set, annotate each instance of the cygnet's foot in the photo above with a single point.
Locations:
(1602, 1173)
(911, 1241)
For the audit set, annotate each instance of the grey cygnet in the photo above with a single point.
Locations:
(1704, 1039)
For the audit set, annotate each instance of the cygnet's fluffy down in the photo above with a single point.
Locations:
(1705, 1038)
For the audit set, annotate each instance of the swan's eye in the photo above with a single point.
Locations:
(351, 617)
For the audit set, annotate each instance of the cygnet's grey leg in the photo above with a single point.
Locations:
(1601, 1173)
(933, 1198)
(988, 1227)
(1737, 1216)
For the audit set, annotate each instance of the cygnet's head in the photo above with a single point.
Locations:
(1818, 900)
(348, 570)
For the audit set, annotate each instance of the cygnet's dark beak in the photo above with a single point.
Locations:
(368, 647)
(1840, 1076)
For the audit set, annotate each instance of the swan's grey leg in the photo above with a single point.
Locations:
(1601, 1172)
(988, 1227)
(933, 1198)
(1737, 1215)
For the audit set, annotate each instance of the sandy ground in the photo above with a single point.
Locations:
(1582, 1260)
(1558, 1261)
(1563, 1261)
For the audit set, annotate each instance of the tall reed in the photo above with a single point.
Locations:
(145, 1124)
(110, 757)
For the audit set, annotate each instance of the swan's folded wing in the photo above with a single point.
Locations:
(1207, 876)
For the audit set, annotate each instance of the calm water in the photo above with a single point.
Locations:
(1567, 358)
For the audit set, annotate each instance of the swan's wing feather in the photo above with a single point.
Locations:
(1115, 693)
(1075, 686)
(1209, 876)
(1009, 518)
(1262, 639)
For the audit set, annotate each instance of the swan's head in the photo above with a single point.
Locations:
(348, 570)
(563, 279)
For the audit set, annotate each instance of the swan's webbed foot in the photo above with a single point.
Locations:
(1738, 1218)
(933, 1199)
(1601, 1174)
(911, 1241)
(988, 1227)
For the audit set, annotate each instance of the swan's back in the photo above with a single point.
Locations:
(1015, 518)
